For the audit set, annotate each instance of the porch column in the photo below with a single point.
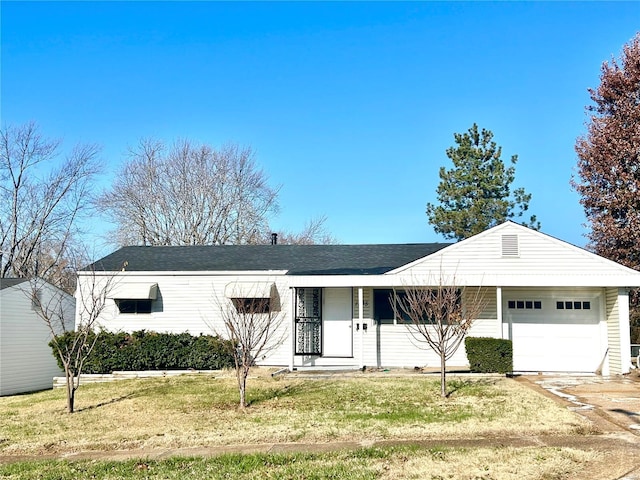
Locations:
(360, 320)
(292, 328)
(499, 312)
(605, 352)
(623, 328)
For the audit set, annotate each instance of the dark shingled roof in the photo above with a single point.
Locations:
(10, 282)
(296, 259)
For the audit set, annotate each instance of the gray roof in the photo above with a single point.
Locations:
(296, 259)
(10, 282)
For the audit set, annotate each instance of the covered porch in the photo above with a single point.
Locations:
(328, 326)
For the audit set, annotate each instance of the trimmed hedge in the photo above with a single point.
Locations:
(144, 350)
(489, 355)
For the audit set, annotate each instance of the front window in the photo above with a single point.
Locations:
(387, 303)
(386, 307)
(383, 306)
(252, 305)
(134, 305)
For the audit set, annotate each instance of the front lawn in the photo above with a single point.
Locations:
(201, 410)
(533, 463)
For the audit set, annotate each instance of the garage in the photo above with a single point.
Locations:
(554, 331)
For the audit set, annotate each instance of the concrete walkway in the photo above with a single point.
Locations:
(606, 442)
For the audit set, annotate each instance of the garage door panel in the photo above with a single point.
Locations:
(556, 349)
(554, 338)
(550, 319)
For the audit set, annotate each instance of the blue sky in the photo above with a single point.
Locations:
(349, 106)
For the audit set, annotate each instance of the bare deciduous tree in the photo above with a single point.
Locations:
(72, 346)
(439, 317)
(314, 233)
(42, 199)
(254, 327)
(189, 194)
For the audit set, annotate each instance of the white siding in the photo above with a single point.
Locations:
(617, 313)
(193, 303)
(541, 261)
(395, 346)
(612, 330)
(26, 360)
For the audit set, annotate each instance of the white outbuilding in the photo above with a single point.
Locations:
(26, 361)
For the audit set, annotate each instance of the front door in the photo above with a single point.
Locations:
(337, 322)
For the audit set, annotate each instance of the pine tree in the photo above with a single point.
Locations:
(476, 193)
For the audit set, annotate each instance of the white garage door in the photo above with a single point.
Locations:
(553, 333)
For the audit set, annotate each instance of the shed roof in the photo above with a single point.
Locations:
(295, 259)
(10, 282)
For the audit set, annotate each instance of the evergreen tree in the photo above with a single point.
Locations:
(476, 193)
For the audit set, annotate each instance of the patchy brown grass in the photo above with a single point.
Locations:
(532, 463)
(488, 464)
(202, 410)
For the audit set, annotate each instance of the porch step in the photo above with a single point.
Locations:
(326, 368)
(86, 378)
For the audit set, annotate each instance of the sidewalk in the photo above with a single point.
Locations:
(606, 442)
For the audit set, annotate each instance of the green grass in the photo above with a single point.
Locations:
(245, 467)
(364, 464)
(201, 410)
(197, 411)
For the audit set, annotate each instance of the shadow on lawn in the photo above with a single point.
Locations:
(471, 386)
(628, 413)
(108, 402)
(265, 395)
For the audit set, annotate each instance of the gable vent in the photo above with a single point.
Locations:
(510, 246)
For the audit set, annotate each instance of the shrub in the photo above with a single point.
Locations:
(144, 350)
(489, 355)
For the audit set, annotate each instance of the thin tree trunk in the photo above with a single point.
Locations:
(71, 401)
(241, 376)
(70, 391)
(243, 402)
(443, 375)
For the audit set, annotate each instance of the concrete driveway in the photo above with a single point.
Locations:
(612, 399)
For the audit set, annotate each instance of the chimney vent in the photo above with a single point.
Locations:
(274, 239)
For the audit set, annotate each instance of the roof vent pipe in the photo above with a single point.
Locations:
(274, 239)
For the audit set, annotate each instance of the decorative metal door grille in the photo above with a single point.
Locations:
(308, 321)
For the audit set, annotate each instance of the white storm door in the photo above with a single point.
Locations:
(337, 323)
